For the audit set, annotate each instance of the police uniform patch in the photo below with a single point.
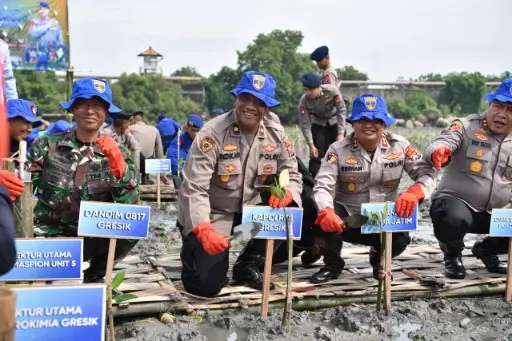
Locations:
(350, 179)
(481, 137)
(225, 178)
(267, 169)
(33, 108)
(351, 161)
(476, 166)
(456, 126)
(412, 153)
(258, 81)
(331, 158)
(269, 148)
(289, 146)
(230, 168)
(207, 144)
(230, 148)
(479, 152)
(302, 109)
(351, 187)
(384, 142)
(393, 156)
(325, 79)
(370, 102)
(99, 85)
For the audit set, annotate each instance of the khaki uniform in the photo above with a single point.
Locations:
(330, 76)
(224, 171)
(328, 109)
(149, 140)
(126, 140)
(360, 177)
(480, 173)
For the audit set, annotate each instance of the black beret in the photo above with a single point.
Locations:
(319, 53)
(311, 81)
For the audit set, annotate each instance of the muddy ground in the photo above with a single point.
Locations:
(443, 319)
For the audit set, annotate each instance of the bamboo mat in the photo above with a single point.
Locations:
(155, 280)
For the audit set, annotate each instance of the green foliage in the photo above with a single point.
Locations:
(116, 282)
(378, 219)
(350, 73)
(464, 89)
(186, 71)
(152, 94)
(43, 88)
(420, 100)
(217, 88)
(399, 109)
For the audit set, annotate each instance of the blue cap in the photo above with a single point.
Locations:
(372, 107)
(503, 93)
(89, 88)
(25, 109)
(61, 126)
(311, 81)
(258, 84)
(44, 4)
(217, 111)
(161, 116)
(319, 53)
(195, 121)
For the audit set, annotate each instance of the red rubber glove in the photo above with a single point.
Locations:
(407, 201)
(115, 158)
(275, 202)
(329, 220)
(14, 185)
(213, 243)
(440, 156)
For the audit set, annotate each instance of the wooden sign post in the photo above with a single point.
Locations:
(274, 228)
(501, 226)
(383, 219)
(157, 166)
(113, 221)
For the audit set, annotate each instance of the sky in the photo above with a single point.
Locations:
(386, 39)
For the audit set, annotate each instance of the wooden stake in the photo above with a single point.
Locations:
(158, 190)
(267, 272)
(387, 269)
(108, 281)
(508, 292)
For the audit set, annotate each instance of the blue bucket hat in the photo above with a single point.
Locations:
(61, 126)
(194, 121)
(24, 109)
(44, 4)
(503, 93)
(372, 107)
(258, 84)
(89, 88)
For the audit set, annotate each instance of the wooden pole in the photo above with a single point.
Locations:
(108, 281)
(267, 272)
(508, 292)
(387, 279)
(158, 190)
(7, 314)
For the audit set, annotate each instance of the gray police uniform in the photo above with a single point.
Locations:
(478, 179)
(329, 76)
(360, 177)
(321, 120)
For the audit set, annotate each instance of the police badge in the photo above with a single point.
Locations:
(33, 108)
(258, 81)
(370, 102)
(99, 85)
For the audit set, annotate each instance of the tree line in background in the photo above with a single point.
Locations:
(275, 53)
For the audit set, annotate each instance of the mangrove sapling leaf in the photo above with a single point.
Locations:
(118, 279)
(121, 297)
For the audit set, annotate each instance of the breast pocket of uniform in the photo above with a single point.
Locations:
(57, 178)
(392, 170)
(266, 176)
(228, 173)
(477, 161)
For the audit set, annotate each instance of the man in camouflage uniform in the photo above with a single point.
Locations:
(77, 165)
(230, 163)
(476, 151)
(366, 166)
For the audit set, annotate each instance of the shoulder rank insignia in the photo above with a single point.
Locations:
(207, 144)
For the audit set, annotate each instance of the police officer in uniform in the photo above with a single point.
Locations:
(322, 117)
(321, 56)
(230, 161)
(366, 166)
(476, 153)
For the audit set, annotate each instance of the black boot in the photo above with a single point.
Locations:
(453, 267)
(375, 263)
(93, 277)
(483, 251)
(326, 273)
(311, 256)
(247, 267)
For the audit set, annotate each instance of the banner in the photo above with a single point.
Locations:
(37, 33)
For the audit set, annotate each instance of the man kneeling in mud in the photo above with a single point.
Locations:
(230, 160)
